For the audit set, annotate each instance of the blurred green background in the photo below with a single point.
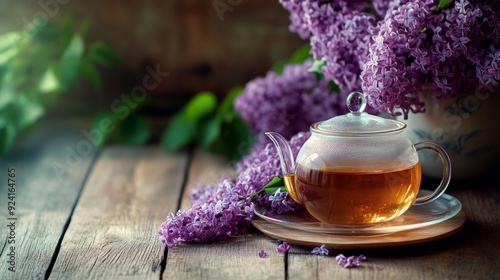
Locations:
(180, 62)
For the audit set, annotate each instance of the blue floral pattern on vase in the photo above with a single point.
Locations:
(455, 146)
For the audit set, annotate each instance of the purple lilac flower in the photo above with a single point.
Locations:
(226, 209)
(262, 254)
(437, 50)
(297, 17)
(348, 262)
(338, 32)
(397, 36)
(408, 44)
(287, 103)
(283, 248)
(382, 6)
(279, 202)
(417, 45)
(321, 251)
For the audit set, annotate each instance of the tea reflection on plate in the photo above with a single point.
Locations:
(437, 211)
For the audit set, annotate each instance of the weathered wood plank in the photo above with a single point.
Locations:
(50, 165)
(472, 253)
(114, 230)
(234, 258)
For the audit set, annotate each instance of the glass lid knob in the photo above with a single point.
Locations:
(356, 102)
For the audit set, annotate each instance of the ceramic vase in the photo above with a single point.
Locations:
(467, 127)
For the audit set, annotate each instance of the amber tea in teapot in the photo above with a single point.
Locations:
(355, 196)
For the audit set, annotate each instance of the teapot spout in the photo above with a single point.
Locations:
(284, 152)
(287, 163)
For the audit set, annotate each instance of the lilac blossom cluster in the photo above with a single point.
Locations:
(405, 46)
(339, 33)
(279, 202)
(456, 49)
(225, 209)
(287, 103)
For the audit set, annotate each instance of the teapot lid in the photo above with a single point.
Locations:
(357, 122)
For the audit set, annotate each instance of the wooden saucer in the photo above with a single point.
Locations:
(312, 239)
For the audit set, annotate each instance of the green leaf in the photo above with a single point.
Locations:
(103, 123)
(69, 66)
(101, 53)
(243, 139)
(208, 131)
(234, 141)
(3, 71)
(316, 66)
(7, 137)
(279, 66)
(302, 54)
(75, 48)
(7, 55)
(333, 87)
(91, 74)
(9, 47)
(68, 71)
(226, 107)
(34, 69)
(443, 4)
(299, 56)
(50, 83)
(46, 33)
(178, 133)
(277, 183)
(107, 122)
(21, 113)
(135, 130)
(66, 31)
(84, 27)
(8, 40)
(200, 105)
(273, 190)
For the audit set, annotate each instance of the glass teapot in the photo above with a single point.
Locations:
(357, 169)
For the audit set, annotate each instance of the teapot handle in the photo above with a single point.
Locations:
(445, 181)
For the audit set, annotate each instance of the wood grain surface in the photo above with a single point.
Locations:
(101, 222)
(114, 230)
(49, 176)
(233, 258)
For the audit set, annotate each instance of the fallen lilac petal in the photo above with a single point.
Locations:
(262, 254)
(341, 259)
(348, 262)
(359, 259)
(283, 247)
(321, 251)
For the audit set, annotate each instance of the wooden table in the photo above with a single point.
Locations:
(87, 214)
